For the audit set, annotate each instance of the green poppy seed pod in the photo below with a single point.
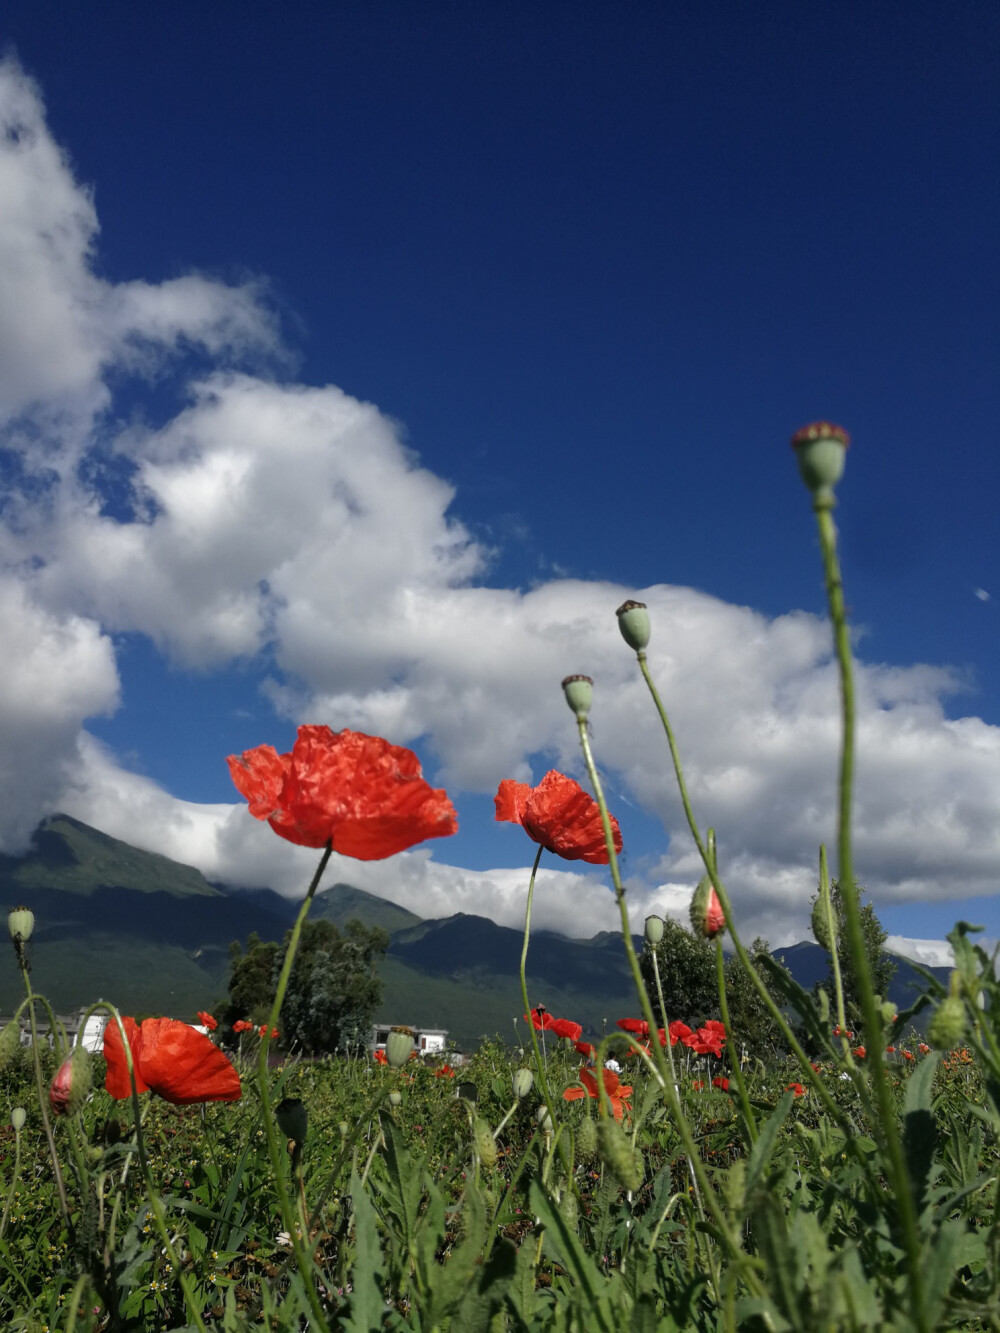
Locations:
(524, 1081)
(20, 923)
(292, 1118)
(486, 1144)
(617, 1155)
(586, 1140)
(398, 1047)
(819, 925)
(888, 1011)
(707, 916)
(395, 1098)
(633, 621)
(10, 1041)
(17, 1118)
(820, 448)
(579, 692)
(947, 1027)
(568, 1209)
(544, 1119)
(653, 930)
(72, 1082)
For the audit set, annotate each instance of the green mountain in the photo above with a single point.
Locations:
(153, 936)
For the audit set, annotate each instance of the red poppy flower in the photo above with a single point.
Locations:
(540, 1019)
(637, 1026)
(560, 815)
(890, 1050)
(207, 1021)
(171, 1059)
(720, 1082)
(584, 1048)
(242, 1025)
(262, 1032)
(565, 1027)
(796, 1088)
(445, 1071)
(618, 1093)
(359, 792)
(860, 1052)
(908, 1055)
(678, 1032)
(923, 1048)
(698, 1084)
(708, 1040)
(380, 1057)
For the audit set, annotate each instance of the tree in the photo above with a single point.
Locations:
(690, 986)
(333, 991)
(880, 965)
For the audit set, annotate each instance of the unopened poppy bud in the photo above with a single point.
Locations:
(888, 1011)
(17, 1118)
(586, 1140)
(633, 621)
(72, 1082)
(20, 924)
(579, 692)
(292, 1118)
(568, 1210)
(398, 1047)
(707, 916)
(395, 1097)
(820, 449)
(820, 925)
(947, 1027)
(544, 1119)
(617, 1155)
(10, 1040)
(486, 1144)
(524, 1081)
(654, 930)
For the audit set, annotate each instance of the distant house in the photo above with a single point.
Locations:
(428, 1041)
(89, 1033)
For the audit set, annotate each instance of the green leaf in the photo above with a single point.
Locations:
(766, 1140)
(367, 1300)
(919, 1129)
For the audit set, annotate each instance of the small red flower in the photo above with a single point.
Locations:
(890, 1050)
(816, 1068)
(698, 1084)
(678, 1032)
(444, 1071)
(584, 1048)
(618, 1094)
(242, 1025)
(908, 1055)
(380, 1057)
(171, 1059)
(860, 1052)
(637, 1026)
(923, 1048)
(720, 1082)
(796, 1088)
(358, 792)
(207, 1021)
(560, 815)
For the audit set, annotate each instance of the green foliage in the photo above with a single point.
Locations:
(333, 991)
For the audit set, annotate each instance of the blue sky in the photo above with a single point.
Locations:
(589, 266)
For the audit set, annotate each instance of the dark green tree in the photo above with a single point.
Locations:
(333, 991)
(691, 992)
(880, 965)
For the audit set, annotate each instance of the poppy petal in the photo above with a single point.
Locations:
(183, 1066)
(117, 1081)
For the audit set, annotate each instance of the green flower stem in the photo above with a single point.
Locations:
(663, 1014)
(13, 1182)
(852, 917)
(543, 1083)
(40, 1085)
(288, 1211)
(814, 1080)
(670, 1089)
(833, 935)
(734, 1060)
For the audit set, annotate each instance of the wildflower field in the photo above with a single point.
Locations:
(653, 1179)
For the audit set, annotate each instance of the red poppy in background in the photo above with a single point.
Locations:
(908, 1055)
(358, 792)
(796, 1088)
(860, 1052)
(541, 1020)
(585, 1049)
(565, 1027)
(709, 1039)
(242, 1025)
(678, 1032)
(171, 1059)
(262, 1032)
(721, 1083)
(380, 1057)
(560, 815)
(618, 1094)
(445, 1071)
(207, 1021)
(637, 1026)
